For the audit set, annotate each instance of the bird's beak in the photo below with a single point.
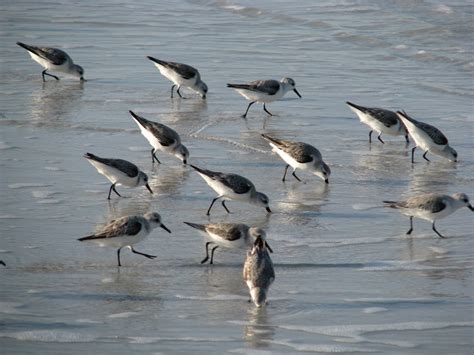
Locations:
(268, 247)
(165, 228)
(297, 93)
(268, 209)
(184, 162)
(326, 181)
(82, 79)
(149, 188)
(470, 207)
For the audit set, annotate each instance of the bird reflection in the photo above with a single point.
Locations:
(186, 111)
(168, 180)
(258, 331)
(53, 102)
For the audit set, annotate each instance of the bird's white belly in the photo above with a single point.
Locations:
(378, 126)
(114, 175)
(289, 159)
(47, 64)
(119, 242)
(229, 244)
(175, 77)
(155, 143)
(259, 96)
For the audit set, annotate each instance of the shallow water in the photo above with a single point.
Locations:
(348, 279)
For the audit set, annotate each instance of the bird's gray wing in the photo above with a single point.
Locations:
(129, 226)
(237, 183)
(302, 152)
(53, 55)
(165, 135)
(269, 87)
(184, 70)
(125, 166)
(430, 202)
(388, 118)
(433, 132)
(228, 231)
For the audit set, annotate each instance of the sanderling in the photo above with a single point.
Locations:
(264, 91)
(300, 155)
(430, 207)
(181, 75)
(428, 138)
(258, 272)
(229, 236)
(380, 120)
(232, 187)
(127, 231)
(119, 172)
(162, 138)
(53, 59)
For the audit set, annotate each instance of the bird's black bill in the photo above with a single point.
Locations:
(326, 181)
(268, 209)
(268, 247)
(470, 207)
(165, 228)
(149, 188)
(297, 93)
(82, 79)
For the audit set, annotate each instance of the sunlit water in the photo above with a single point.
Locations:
(348, 279)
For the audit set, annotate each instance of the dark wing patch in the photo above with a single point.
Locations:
(302, 152)
(128, 168)
(237, 183)
(227, 231)
(54, 55)
(165, 135)
(119, 227)
(433, 132)
(433, 205)
(388, 118)
(269, 87)
(184, 70)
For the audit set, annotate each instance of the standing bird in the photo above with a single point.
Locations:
(181, 75)
(229, 236)
(264, 91)
(380, 121)
(428, 138)
(258, 272)
(127, 231)
(119, 172)
(300, 155)
(430, 207)
(53, 59)
(232, 187)
(162, 138)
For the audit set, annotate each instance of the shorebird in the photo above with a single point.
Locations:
(299, 155)
(53, 59)
(428, 138)
(162, 138)
(380, 121)
(430, 207)
(258, 272)
(127, 231)
(119, 172)
(232, 187)
(181, 75)
(264, 91)
(229, 236)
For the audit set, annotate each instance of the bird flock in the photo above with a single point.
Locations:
(258, 270)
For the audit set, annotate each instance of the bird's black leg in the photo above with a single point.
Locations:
(172, 88)
(424, 156)
(439, 234)
(154, 157)
(147, 255)
(250, 104)
(223, 204)
(284, 175)
(181, 96)
(212, 254)
(45, 73)
(413, 155)
(118, 256)
(408, 140)
(370, 136)
(212, 203)
(296, 177)
(411, 225)
(207, 253)
(265, 109)
(112, 187)
(380, 139)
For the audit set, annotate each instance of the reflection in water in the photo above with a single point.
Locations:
(55, 101)
(186, 110)
(117, 208)
(258, 331)
(432, 177)
(383, 162)
(167, 180)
